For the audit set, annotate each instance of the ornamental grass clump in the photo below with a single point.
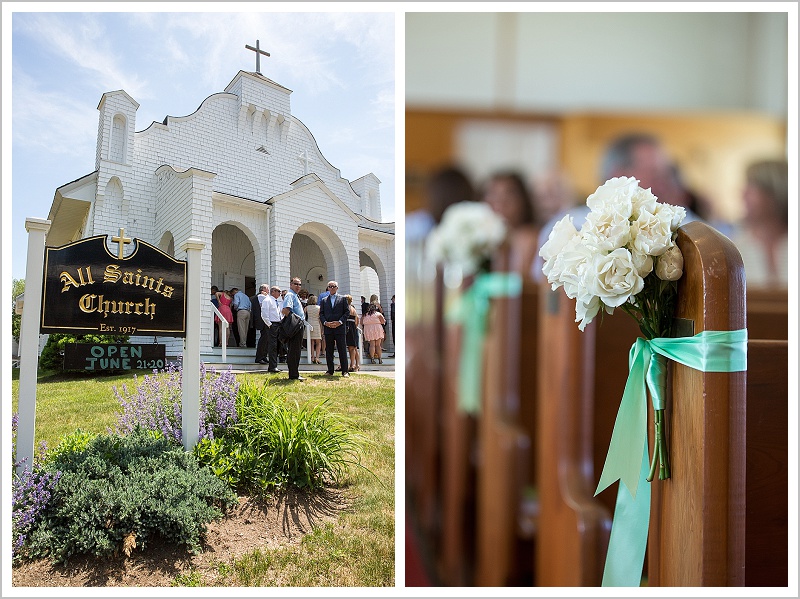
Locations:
(121, 492)
(275, 443)
(155, 403)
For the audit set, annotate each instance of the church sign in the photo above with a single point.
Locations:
(87, 290)
(97, 357)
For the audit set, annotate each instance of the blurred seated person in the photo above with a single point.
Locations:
(553, 193)
(638, 155)
(762, 235)
(507, 195)
(445, 187)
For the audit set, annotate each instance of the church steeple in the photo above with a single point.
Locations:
(116, 127)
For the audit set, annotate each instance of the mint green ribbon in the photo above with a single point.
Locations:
(470, 310)
(627, 458)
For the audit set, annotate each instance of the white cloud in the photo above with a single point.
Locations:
(86, 43)
(51, 121)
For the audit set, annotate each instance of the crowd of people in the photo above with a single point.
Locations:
(332, 324)
(530, 208)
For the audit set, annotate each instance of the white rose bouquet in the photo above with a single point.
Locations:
(624, 256)
(466, 238)
(464, 242)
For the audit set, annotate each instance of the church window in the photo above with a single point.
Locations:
(118, 139)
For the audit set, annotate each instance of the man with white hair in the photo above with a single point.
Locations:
(333, 313)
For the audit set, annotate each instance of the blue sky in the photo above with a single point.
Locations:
(339, 65)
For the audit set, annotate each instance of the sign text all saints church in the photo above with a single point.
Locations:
(89, 290)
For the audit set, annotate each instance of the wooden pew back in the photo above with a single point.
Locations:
(423, 351)
(572, 536)
(505, 470)
(455, 559)
(767, 313)
(767, 500)
(697, 516)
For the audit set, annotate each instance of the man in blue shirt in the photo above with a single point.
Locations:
(292, 303)
(241, 306)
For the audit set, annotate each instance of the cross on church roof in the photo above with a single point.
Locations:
(122, 241)
(304, 158)
(258, 52)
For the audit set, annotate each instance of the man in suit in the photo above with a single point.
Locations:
(333, 313)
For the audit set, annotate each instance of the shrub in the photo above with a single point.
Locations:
(74, 442)
(156, 402)
(278, 443)
(122, 491)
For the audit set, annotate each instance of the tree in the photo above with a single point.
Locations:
(17, 287)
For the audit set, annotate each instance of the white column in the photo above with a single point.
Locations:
(29, 336)
(190, 383)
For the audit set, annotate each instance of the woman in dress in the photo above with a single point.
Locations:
(224, 298)
(312, 316)
(373, 332)
(374, 301)
(508, 196)
(352, 335)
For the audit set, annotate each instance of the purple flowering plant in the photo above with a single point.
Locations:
(155, 403)
(30, 495)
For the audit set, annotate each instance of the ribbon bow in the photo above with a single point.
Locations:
(627, 458)
(470, 310)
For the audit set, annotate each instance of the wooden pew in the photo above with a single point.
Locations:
(573, 525)
(455, 560)
(767, 517)
(505, 473)
(697, 522)
(767, 313)
(423, 345)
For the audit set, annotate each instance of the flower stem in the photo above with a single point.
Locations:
(660, 455)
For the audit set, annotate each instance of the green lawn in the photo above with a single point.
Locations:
(358, 550)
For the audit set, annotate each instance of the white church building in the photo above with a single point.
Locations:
(244, 176)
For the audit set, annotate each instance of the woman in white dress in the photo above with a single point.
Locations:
(312, 317)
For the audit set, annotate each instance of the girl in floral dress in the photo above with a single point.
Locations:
(373, 323)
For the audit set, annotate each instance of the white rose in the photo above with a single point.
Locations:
(606, 231)
(569, 267)
(586, 311)
(652, 233)
(613, 277)
(643, 199)
(642, 262)
(669, 265)
(673, 214)
(615, 195)
(562, 233)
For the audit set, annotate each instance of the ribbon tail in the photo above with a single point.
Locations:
(630, 428)
(470, 371)
(628, 541)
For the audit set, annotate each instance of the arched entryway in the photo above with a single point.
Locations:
(232, 259)
(317, 256)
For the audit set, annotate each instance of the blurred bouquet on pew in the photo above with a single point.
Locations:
(466, 238)
(624, 256)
